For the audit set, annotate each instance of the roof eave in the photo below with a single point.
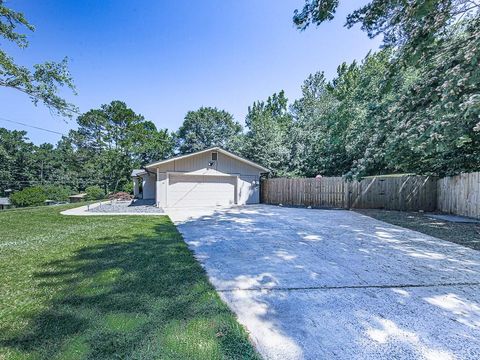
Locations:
(251, 163)
(138, 172)
(217, 148)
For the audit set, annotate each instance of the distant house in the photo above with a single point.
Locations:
(5, 203)
(211, 177)
(77, 198)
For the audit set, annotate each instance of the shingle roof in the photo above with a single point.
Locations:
(78, 195)
(137, 172)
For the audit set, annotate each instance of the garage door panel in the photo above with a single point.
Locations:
(197, 190)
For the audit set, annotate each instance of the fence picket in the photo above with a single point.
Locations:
(457, 194)
(392, 193)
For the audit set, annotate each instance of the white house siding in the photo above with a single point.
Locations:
(161, 189)
(249, 189)
(148, 186)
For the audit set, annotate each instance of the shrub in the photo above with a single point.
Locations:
(94, 193)
(57, 193)
(32, 196)
(128, 187)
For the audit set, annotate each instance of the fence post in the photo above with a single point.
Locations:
(396, 193)
(346, 194)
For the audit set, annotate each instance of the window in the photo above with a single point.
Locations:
(214, 156)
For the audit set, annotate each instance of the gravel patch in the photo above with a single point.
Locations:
(137, 207)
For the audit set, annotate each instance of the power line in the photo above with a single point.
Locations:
(31, 126)
(59, 133)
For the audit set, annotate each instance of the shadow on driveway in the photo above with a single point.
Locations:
(335, 284)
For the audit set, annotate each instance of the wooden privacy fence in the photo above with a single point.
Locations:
(405, 193)
(460, 194)
(392, 193)
(327, 192)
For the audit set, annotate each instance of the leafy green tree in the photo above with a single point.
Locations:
(421, 119)
(267, 139)
(324, 118)
(94, 193)
(149, 144)
(16, 160)
(67, 166)
(42, 83)
(113, 140)
(23, 164)
(435, 122)
(56, 192)
(413, 25)
(207, 127)
(108, 144)
(49, 166)
(30, 196)
(310, 137)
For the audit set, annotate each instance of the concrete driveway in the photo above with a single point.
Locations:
(323, 284)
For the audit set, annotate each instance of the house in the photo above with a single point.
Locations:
(5, 203)
(77, 198)
(211, 177)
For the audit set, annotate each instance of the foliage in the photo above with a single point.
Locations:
(410, 25)
(338, 122)
(56, 192)
(36, 195)
(371, 118)
(16, 160)
(32, 196)
(41, 84)
(318, 149)
(102, 288)
(424, 119)
(108, 144)
(437, 118)
(113, 140)
(128, 187)
(94, 193)
(207, 127)
(266, 141)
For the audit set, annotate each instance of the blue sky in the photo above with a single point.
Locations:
(164, 58)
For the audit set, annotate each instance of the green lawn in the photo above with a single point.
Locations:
(107, 288)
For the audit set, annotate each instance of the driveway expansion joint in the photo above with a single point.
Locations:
(323, 283)
(399, 286)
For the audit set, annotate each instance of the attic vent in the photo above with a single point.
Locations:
(214, 156)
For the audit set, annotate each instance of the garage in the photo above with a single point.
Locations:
(207, 178)
(185, 190)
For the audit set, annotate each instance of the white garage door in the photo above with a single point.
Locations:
(199, 190)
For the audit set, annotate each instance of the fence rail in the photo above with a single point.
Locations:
(407, 193)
